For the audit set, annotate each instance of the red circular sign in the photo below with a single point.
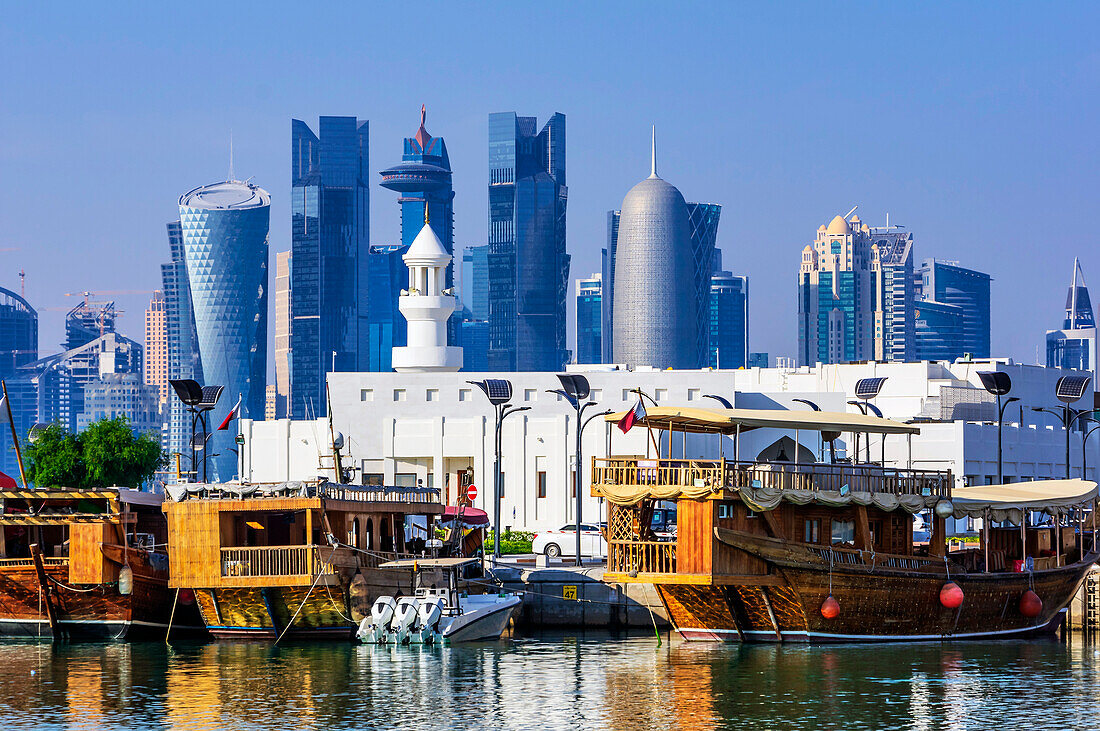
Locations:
(471, 492)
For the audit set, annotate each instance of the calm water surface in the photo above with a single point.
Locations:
(549, 681)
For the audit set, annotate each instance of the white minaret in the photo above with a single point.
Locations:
(426, 307)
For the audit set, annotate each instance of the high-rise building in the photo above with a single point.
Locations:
(1074, 346)
(706, 260)
(527, 263)
(183, 342)
(949, 283)
(386, 328)
(225, 230)
(938, 330)
(655, 289)
(18, 347)
(330, 223)
(758, 360)
(156, 346)
(590, 319)
(474, 339)
(728, 321)
(475, 282)
(894, 294)
(280, 399)
(122, 394)
(88, 321)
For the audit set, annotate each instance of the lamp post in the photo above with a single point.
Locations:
(499, 393)
(1084, 445)
(999, 384)
(200, 400)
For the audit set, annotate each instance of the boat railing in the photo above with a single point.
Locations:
(274, 561)
(379, 493)
(855, 557)
(731, 475)
(653, 557)
(25, 562)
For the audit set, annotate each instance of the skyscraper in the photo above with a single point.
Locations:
(949, 283)
(183, 342)
(330, 223)
(386, 277)
(728, 321)
(527, 262)
(475, 282)
(225, 230)
(18, 347)
(607, 271)
(589, 319)
(894, 294)
(1074, 346)
(282, 393)
(156, 345)
(938, 331)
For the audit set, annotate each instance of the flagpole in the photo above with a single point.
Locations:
(656, 448)
(14, 436)
(240, 444)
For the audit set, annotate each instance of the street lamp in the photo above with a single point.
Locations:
(1084, 444)
(499, 393)
(1068, 390)
(200, 400)
(575, 389)
(999, 384)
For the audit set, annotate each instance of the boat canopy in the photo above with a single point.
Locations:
(429, 563)
(727, 421)
(472, 517)
(1008, 502)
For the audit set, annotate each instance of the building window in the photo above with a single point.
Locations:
(573, 484)
(693, 394)
(627, 393)
(540, 483)
(463, 394)
(597, 394)
(661, 394)
(812, 530)
(367, 394)
(529, 394)
(432, 394)
(398, 394)
(844, 531)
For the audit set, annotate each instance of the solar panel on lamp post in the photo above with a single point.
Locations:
(1068, 390)
(199, 401)
(575, 389)
(499, 393)
(999, 384)
(867, 389)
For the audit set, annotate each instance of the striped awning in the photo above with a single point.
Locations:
(727, 421)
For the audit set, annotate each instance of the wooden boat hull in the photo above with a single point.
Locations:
(877, 603)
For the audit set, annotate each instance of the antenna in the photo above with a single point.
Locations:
(22, 284)
(850, 212)
(888, 220)
(1073, 297)
(653, 152)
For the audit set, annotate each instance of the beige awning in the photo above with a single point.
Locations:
(726, 421)
(1008, 502)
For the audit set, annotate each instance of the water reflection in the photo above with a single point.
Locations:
(548, 681)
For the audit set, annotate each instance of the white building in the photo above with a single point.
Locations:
(406, 428)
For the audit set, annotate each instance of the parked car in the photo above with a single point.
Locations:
(563, 542)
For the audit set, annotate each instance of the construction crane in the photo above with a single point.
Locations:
(87, 295)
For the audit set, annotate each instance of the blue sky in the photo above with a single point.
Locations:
(973, 125)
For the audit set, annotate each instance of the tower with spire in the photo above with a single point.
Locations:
(1074, 346)
(426, 305)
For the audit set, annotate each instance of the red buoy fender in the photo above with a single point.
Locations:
(1031, 606)
(951, 595)
(187, 597)
(830, 608)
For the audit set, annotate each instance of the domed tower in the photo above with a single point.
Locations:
(655, 309)
(426, 305)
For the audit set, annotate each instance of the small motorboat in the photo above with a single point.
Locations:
(436, 614)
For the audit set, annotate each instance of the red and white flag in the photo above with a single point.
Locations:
(632, 417)
(231, 415)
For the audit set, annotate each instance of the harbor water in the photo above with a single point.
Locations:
(548, 681)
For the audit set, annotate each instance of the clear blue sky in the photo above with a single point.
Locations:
(975, 125)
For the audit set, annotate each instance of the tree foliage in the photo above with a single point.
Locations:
(106, 454)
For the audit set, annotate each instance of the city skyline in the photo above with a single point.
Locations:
(980, 146)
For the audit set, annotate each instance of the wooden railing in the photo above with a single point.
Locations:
(784, 475)
(380, 494)
(21, 562)
(274, 561)
(646, 557)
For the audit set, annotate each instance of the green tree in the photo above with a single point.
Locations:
(107, 453)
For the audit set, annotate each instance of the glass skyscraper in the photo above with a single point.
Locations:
(387, 275)
(939, 330)
(728, 321)
(527, 262)
(18, 347)
(183, 343)
(475, 282)
(225, 232)
(1074, 346)
(949, 283)
(330, 224)
(590, 319)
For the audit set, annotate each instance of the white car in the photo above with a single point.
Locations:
(563, 542)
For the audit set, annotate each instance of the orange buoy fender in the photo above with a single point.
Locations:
(951, 595)
(1031, 606)
(830, 608)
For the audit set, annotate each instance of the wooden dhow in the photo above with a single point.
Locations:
(823, 552)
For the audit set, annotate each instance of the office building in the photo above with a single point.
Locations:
(949, 283)
(939, 330)
(386, 328)
(330, 224)
(759, 360)
(703, 222)
(655, 304)
(225, 232)
(527, 263)
(1074, 346)
(474, 339)
(183, 342)
(894, 293)
(728, 321)
(117, 395)
(279, 393)
(88, 321)
(474, 285)
(156, 346)
(590, 319)
(18, 347)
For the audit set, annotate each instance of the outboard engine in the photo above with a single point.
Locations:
(375, 629)
(429, 614)
(404, 620)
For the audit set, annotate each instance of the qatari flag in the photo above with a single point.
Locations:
(632, 417)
